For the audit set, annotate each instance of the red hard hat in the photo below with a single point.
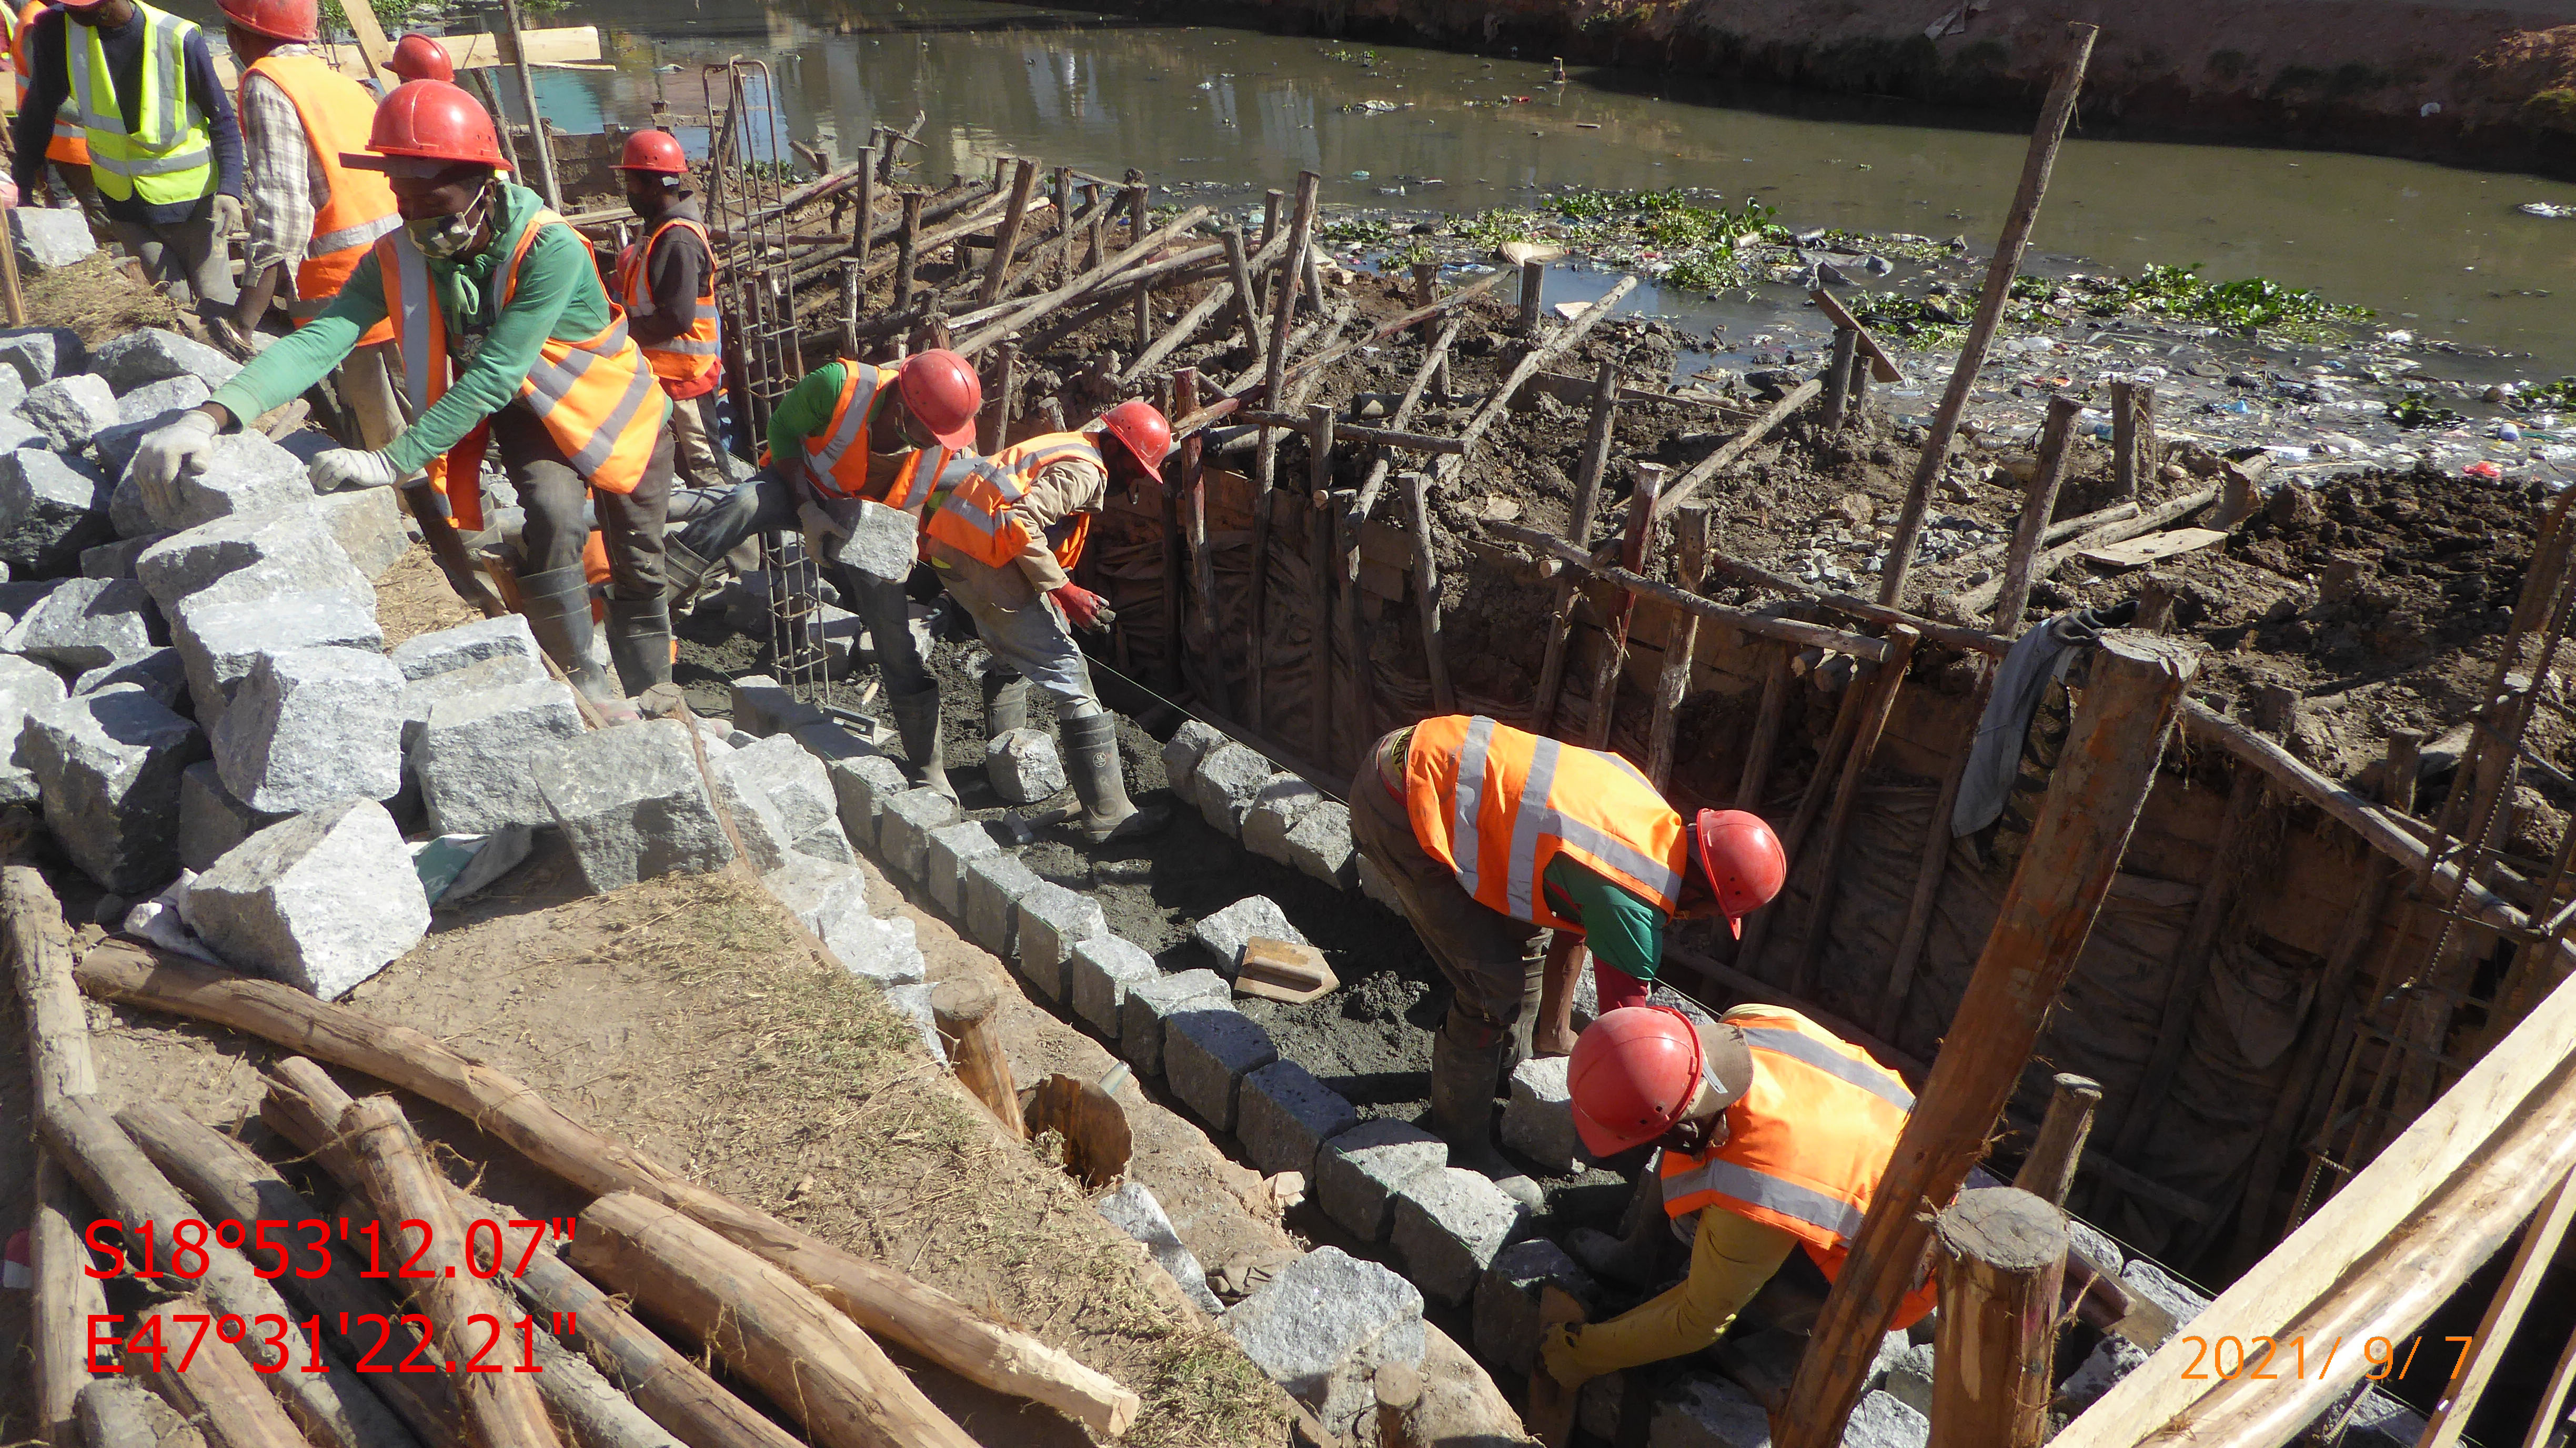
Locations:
(1742, 860)
(941, 389)
(276, 19)
(429, 120)
(421, 57)
(1143, 428)
(1631, 1076)
(654, 151)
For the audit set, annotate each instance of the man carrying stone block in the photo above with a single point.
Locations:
(853, 448)
(1005, 534)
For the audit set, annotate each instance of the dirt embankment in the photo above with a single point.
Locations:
(2490, 86)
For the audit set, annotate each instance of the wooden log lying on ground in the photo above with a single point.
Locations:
(1022, 314)
(113, 1414)
(1977, 600)
(1687, 486)
(760, 1322)
(2002, 1256)
(209, 1381)
(883, 1301)
(1404, 408)
(503, 1408)
(1557, 344)
(65, 1299)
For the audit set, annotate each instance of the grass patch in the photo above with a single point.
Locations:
(1204, 1391)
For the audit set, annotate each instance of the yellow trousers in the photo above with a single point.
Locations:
(1731, 1257)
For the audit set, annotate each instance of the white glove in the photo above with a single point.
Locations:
(168, 454)
(347, 467)
(228, 215)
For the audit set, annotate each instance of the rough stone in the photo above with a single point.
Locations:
(1223, 934)
(421, 695)
(1150, 1004)
(39, 354)
(1506, 1314)
(25, 686)
(49, 237)
(1023, 766)
(631, 803)
(160, 673)
(904, 823)
(508, 636)
(370, 526)
(107, 766)
(116, 560)
(139, 359)
(320, 901)
(1373, 883)
(912, 1002)
(883, 542)
(1133, 1210)
(250, 558)
(245, 474)
(86, 623)
(1182, 752)
(2114, 1359)
(1097, 976)
(991, 890)
(51, 507)
(312, 726)
(1708, 1412)
(800, 789)
(1276, 810)
(763, 706)
(1052, 921)
(741, 798)
(211, 821)
(1358, 1173)
(1206, 1054)
(2159, 1287)
(154, 401)
(70, 410)
(1539, 1121)
(1880, 1421)
(945, 854)
(1319, 844)
(219, 642)
(1602, 1406)
(832, 901)
(1762, 1362)
(860, 785)
(1323, 1327)
(1283, 1116)
(1225, 782)
(15, 431)
(1449, 1224)
(2083, 1236)
(471, 756)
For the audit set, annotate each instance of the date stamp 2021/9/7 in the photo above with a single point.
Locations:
(2266, 1359)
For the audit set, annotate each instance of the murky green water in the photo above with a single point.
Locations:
(2439, 251)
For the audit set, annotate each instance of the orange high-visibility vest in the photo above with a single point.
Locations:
(836, 459)
(1496, 804)
(337, 113)
(596, 397)
(689, 358)
(70, 143)
(975, 514)
(1805, 1145)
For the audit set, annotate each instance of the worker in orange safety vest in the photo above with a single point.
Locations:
(1489, 835)
(1774, 1133)
(667, 283)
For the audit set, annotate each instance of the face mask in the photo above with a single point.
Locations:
(444, 237)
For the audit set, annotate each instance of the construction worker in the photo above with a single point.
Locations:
(421, 57)
(67, 152)
(307, 211)
(1490, 834)
(850, 433)
(667, 283)
(1774, 1133)
(164, 146)
(507, 338)
(1005, 536)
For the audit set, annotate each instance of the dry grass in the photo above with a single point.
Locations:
(95, 298)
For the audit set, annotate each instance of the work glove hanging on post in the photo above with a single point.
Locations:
(348, 467)
(168, 454)
(1083, 608)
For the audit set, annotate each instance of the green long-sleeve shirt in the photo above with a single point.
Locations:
(1620, 927)
(559, 295)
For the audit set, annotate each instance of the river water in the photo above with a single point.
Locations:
(2440, 252)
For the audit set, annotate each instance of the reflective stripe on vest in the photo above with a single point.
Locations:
(1496, 804)
(70, 143)
(696, 351)
(337, 113)
(170, 154)
(836, 459)
(976, 514)
(597, 399)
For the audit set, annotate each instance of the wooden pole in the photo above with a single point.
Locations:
(503, 1409)
(2547, 1427)
(2049, 1169)
(10, 295)
(1533, 284)
(1024, 183)
(963, 1010)
(1633, 548)
(1136, 205)
(854, 297)
(1928, 875)
(218, 1387)
(1768, 713)
(863, 230)
(2037, 501)
(1245, 300)
(66, 1298)
(1691, 532)
(2131, 693)
(1270, 201)
(811, 1361)
(1210, 616)
(1426, 290)
(2002, 1266)
(2476, 1368)
(113, 1415)
(1064, 224)
(1736, 447)
(1426, 588)
(1283, 312)
(1982, 597)
(1005, 394)
(1990, 309)
(1356, 703)
(1319, 576)
(517, 53)
(1398, 1388)
(1838, 377)
(372, 45)
(1882, 702)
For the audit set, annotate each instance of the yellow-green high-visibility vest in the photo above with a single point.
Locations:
(169, 156)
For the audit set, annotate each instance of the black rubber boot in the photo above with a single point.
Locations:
(1006, 702)
(916, 719)
(1462, 1114)
(682, 573)
(557, 603)
(639, 642)
(1091, 758)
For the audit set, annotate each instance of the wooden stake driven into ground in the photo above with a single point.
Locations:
(1881, 703)
(1024, 181)
(2044, 142)
(2049, 1169)
(1838, 377)
(963, 1012)
(1635, 546)
(1768, 712)
(1881, 365)
(2131, 693)
(1691, 534)
(515, 48)
(2037, 501)
(2133, 435)
(1426, 589)
(2002, 1259)
(1283, 312)
(1320, 420)
(1929, 872)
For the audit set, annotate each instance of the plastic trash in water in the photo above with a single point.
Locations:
(1359, 175)
(2238, 406)
(2548, 209)
(2486, 470)
(2508, 432)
